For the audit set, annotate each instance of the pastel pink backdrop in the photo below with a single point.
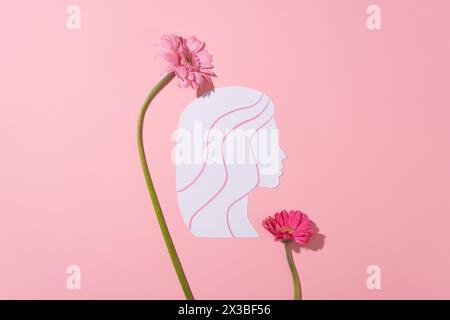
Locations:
(363, 117)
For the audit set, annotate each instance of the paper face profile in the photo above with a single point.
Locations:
(227, 145)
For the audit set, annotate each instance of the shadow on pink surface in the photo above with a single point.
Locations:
(316, 243)
(205, 88)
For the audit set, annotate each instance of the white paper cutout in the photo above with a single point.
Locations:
(227, 146)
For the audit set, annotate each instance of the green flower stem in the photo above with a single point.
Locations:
(151, 189)
(295, 278)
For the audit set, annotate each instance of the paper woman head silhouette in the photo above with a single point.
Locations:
(227, 146)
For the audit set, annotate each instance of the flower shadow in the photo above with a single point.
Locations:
(206, 88)
(316, 243)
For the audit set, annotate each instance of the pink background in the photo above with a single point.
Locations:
(363, 117)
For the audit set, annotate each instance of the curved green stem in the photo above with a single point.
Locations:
(295, 278)
(151, 189)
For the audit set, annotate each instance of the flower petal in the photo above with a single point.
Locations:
(296, 217)
(279, 218)
(194, 44)
(181, 72)
(170, 57)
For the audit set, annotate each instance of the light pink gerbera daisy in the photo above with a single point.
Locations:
(290, 226)
(188, 58)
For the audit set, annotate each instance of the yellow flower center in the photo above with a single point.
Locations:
(287, 230)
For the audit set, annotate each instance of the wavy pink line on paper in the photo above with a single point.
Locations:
(224, 165)
(208, 142)
(257, 179)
